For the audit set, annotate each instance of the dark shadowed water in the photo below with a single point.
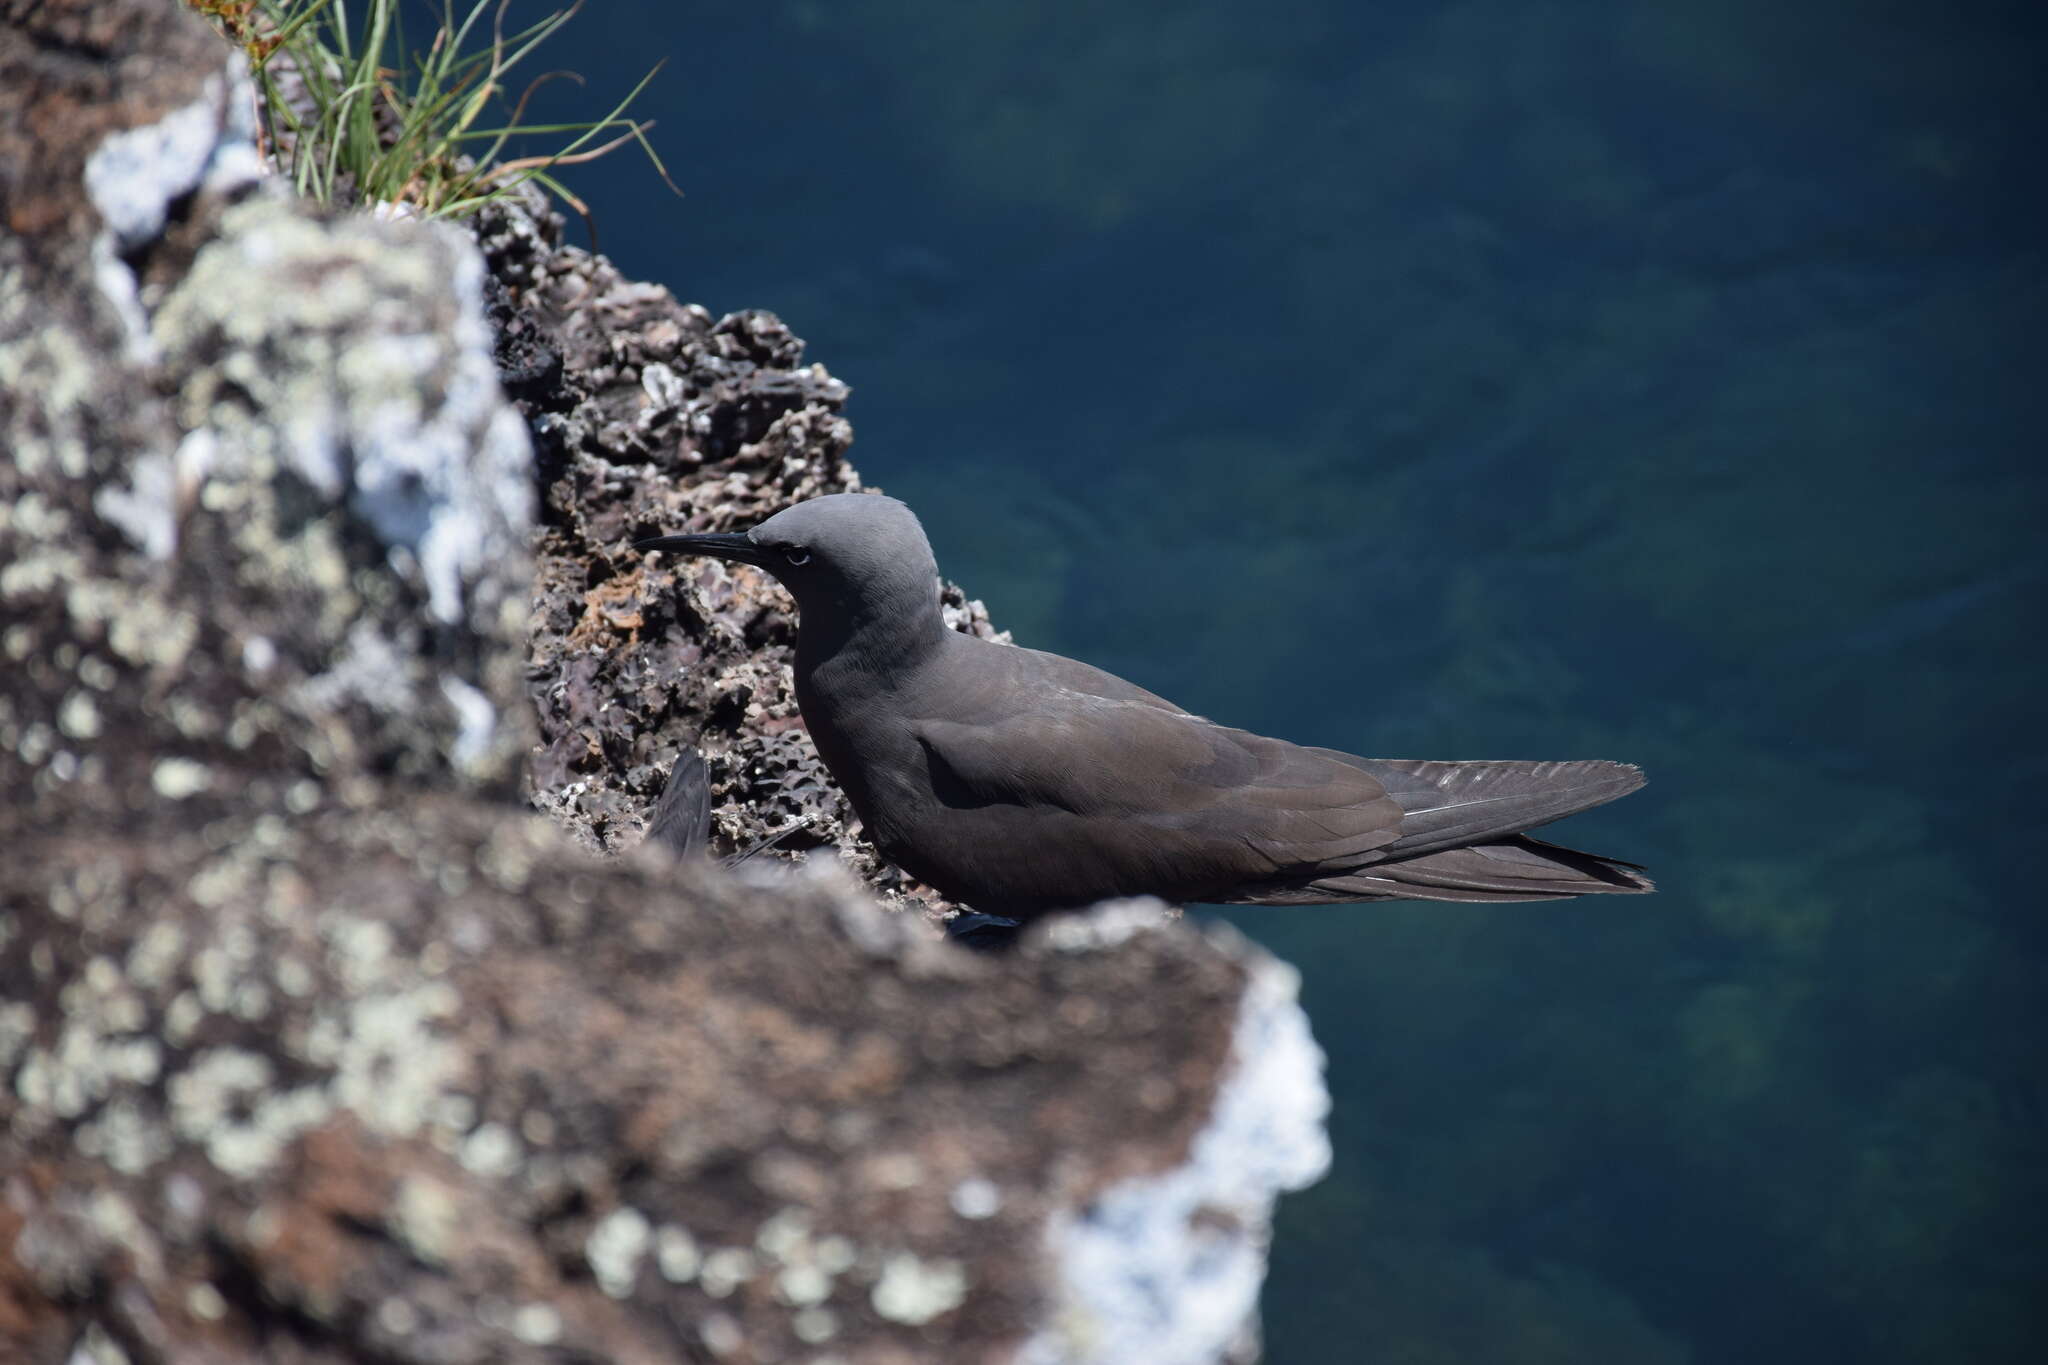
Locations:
(1659, 382)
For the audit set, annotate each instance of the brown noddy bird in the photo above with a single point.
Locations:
(1019, 782)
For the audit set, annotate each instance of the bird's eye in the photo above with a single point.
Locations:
(797, 554)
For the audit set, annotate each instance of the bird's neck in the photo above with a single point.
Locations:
(846, 655)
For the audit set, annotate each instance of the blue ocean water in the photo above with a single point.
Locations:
(1659, 382)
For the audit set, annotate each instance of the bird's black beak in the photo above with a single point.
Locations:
(725, 545)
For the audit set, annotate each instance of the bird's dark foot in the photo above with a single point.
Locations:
(983, 933)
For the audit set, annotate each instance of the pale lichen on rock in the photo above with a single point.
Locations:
(1167, 1267)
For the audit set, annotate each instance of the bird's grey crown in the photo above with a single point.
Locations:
(844, 522)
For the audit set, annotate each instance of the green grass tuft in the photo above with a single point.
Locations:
(355, 114)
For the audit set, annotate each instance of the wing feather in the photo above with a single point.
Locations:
(1244, 807)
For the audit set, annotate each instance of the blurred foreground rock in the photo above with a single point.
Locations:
(317, 1045)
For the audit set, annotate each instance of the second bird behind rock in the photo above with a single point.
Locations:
(1020, 782)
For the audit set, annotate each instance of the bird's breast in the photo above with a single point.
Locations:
(869, 754)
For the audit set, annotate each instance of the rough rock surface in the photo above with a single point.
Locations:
(658, 419)
(316, 1044)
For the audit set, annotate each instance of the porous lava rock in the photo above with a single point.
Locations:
(661, 419)
(316, 1042)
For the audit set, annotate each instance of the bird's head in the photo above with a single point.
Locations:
(854, 554)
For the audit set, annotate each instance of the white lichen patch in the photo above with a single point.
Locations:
(62, 901)
(135, 174)
(156, 955)
(397, 1317)
(507, 859)
(452, 1116)
(249, 1148)
(21, 522)
(96, 1347)
(266, 1224)
(800, 1286)
(34, 517)
(1168, 1267)
(915, 1291)
(725, 1270)
(190, 717)
(206, 1302)
(17, 1026)
(477, 722)
(370, 669)
(116, 1220)
(251, 1001)
(438, 465)
(203, 1095)
(175, 779)
(1107, 926)
(785, 1235)
(182, 1017)
(814, 1326)
(536, 1324)
(490, 1151)
(221, 881)
(836, 1255)
(99, 1049)
(721, 1335)
(39, 569)
(293, 977)
(391, 1064)
(615, 1248)
(125, 1137)
(78, 716)
(35, 1084)
(676, 1255)
(98, 1002)
(159, 636)
(37, 739)
(213, 975)
(426, 1219)
(145, 510)
(83, 1069)
(976, 1198)
(359, 950)
(223, 1103)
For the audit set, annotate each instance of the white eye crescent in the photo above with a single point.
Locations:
(797, 554)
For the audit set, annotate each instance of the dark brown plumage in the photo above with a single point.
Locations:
(681, 822)
(1020, 782)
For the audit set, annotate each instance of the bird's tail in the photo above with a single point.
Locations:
(1456, 805)
(1514, 869)
(681, 822)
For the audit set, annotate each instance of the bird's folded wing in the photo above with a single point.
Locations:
(1256, 806)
